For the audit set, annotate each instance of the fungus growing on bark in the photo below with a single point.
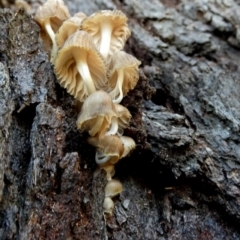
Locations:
(96, 114)
(82, 70)
(109, 149)
(50, 17)
(69, 27)
(108, 29)
(113, 188)
(123, 75)
(108, 205)
(79, 53)
(109, 169)
(124, 117)
(128, 144)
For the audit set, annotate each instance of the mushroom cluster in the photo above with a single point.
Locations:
(89, 62)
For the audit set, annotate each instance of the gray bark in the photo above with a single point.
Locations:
(183, 179)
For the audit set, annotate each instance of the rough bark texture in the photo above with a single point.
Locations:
(182, 181)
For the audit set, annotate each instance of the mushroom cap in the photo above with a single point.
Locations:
(56, 12)
(122, 61)
(124, 117)
(108, 205)
(80, 43)
(80, 15)
(120, 32)
(128, 144)
(68, 27)
(113, 188)
(109, 148)
(96, 113)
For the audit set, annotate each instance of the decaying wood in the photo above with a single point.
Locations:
(182, 181)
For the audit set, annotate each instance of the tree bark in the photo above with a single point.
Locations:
(183, 179)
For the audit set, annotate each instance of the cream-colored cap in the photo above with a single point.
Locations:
(128, 144)
(96, 114)
(80, 49)
(50, 17)
(109, 30)
(108, 206)
(113, 188)
(69, 27)
(109, 149)
(124, 117)
(123, 74)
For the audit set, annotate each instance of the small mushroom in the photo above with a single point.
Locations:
(109, 149)
(109, 30)
(50, 17)
(96, 114)
(109, 169)
(79, 53)
(113, 188)
(123, 75)
(108, 206)
(69, 27)
(124, 117)
(128, 144)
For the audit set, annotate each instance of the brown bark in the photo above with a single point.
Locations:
(181, 182)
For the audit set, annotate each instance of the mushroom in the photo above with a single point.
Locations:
(109, 149)
(109, 169)
(124, 117)
(79, 53)
(96, 114)
(128, 144)
(108, 206)
(50, 17)
(113, 188)
(109, 30)
(69, 27)
(123, 75)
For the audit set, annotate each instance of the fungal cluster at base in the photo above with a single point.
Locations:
(89, 62)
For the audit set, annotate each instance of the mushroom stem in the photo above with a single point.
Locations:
(106, 33)
(81, 60)
(117, 91)
(52, 36)
(114, 127)
(109, 169)
(101, 158)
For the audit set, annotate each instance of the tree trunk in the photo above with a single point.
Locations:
(183, 179)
